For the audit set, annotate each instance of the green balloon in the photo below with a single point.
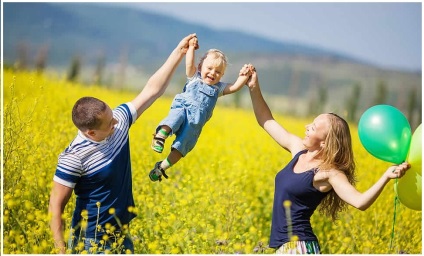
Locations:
(415, 151)
(385, 133)
(408, 190)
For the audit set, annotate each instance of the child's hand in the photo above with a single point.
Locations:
(244, 74)
(185, 43)
(245, 71)
(194, 43)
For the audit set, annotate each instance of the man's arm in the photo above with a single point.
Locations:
(59, 197)
(158, 82)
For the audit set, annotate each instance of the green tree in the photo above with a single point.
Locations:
(381, 94)
(100, 66)
(41, 59)
(316, 104)
(322, 98)
(22, 61)
(412, 102)
(74, 70)
(353, 102)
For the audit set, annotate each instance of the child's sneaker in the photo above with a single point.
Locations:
(158, 143)
(157, 172)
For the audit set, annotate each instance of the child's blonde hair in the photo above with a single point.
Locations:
(219, 56)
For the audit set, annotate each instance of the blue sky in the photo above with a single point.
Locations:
(384, 33)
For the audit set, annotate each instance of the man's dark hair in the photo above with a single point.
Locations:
(86, 111)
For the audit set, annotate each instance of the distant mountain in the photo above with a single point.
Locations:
(132, 43)
(86, 28)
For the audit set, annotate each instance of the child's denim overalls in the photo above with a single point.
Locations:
(190, 110)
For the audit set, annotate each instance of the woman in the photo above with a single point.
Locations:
(321, 172)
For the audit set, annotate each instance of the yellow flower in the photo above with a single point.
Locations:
(107, 226)
(287, 203)
(84, 214)
(175, 250)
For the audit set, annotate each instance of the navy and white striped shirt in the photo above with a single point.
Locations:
(100, 172)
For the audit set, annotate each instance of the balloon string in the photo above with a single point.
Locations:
(394, 217)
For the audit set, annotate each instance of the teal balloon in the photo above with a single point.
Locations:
(415, 151)
(408, 190)
(385, 133)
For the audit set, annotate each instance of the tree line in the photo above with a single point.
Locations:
(409, 99)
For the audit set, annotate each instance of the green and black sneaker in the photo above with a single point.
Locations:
(158, 144)
(157, 173)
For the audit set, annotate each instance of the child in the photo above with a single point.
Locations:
(192, 108)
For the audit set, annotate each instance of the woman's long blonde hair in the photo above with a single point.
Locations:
(337, 154)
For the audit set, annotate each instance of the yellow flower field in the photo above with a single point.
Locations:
(218, 199)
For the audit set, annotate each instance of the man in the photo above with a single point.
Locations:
(96, 165)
